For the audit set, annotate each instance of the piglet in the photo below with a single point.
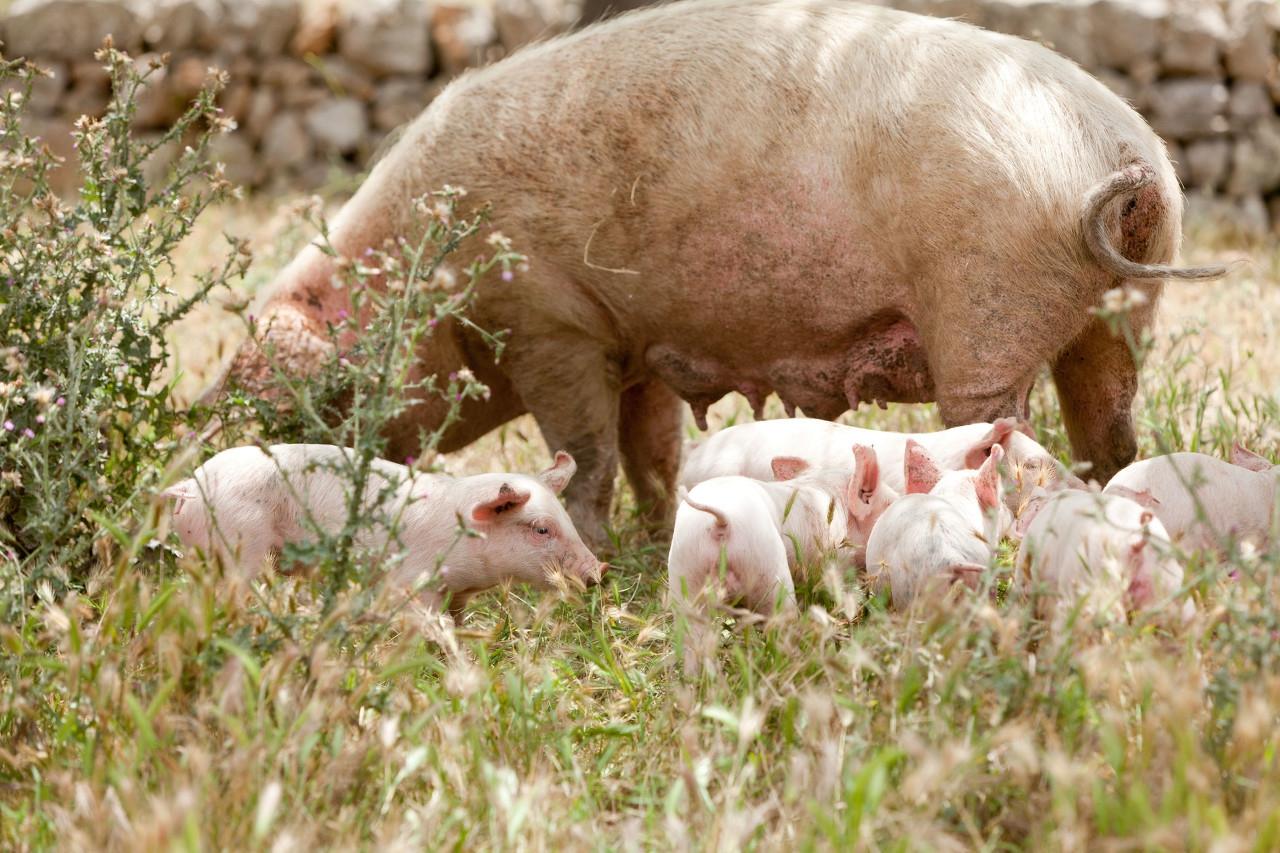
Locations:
(761, 532)
(247, 503)
(745, 449)
(1201, 500)
(1103, 553)
(942, 532)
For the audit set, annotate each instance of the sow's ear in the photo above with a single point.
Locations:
(1248, 459)
(561, 471)
(921, 471)
(507, 499)
(788, 467)
(1001, 431)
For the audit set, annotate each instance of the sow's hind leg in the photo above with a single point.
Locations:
(1097, 379)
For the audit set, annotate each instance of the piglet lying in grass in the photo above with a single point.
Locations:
(246, 503)
(746, 448)
(759, 532)
(1100, 552)
(1201, 500)
(942, 532)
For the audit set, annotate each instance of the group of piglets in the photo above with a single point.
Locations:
(923, 514)
(760, 502)
(245, 504)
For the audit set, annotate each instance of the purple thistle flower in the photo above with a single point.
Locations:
(409, 460)
(8, 425)
(27, 433)
(39, 419)
(61, 401)
(508, 275)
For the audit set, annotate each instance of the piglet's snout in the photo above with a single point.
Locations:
(591, 571)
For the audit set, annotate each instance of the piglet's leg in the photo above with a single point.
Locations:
(649, 427)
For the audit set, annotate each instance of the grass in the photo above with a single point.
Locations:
(193, 719)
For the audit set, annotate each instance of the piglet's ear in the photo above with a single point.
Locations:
(968, 574)
(561, 471)
(1248, 459)
(1137, 549)
(788, 467)
(987, 485)
(1001, 431)
(1028, 514)
(1141, 498)
(1021, 426)
(921, 471)
(180, 493)
(507, 499)
(865, 480)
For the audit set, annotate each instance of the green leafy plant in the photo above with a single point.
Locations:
(87, 424)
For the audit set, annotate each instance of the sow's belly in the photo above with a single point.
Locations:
(882, 361)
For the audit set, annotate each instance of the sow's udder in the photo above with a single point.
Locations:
(885, 363)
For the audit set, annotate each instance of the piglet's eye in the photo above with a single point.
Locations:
(541, 530)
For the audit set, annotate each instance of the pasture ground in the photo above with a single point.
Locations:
(551, 722)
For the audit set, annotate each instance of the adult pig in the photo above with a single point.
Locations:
(834, 202)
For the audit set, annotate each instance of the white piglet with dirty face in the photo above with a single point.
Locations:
(1098, 554)
(1203, 501)
(942, 532)
(760, 532)
(245, 504)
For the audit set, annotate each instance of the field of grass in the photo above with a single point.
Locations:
(549, 722)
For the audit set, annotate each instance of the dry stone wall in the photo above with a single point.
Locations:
(318, 84)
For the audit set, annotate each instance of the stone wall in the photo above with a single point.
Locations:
(1203, 72)
(318, 84)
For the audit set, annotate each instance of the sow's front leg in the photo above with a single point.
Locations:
(571, 386)
(651, 418)
(1097, 379)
